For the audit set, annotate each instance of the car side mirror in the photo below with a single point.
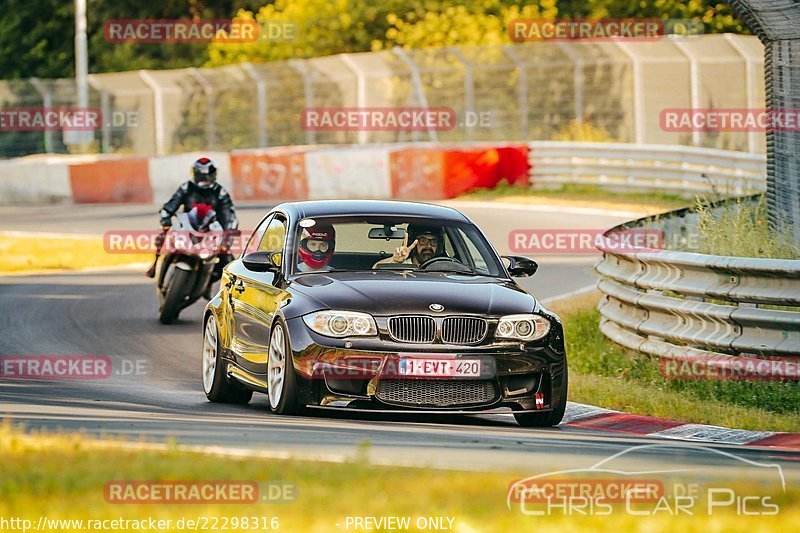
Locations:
(262, 261)
(521, 267)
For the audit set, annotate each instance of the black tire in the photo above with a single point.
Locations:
(287, 403)
(548, 418)
(175, 296)
(221, 390)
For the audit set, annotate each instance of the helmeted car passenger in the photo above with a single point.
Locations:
(204, 191)
(316, 248)
(427, 242)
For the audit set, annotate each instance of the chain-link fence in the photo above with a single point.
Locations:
(609, 91)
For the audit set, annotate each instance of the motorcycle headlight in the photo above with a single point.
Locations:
(522, 327)
(341, 324)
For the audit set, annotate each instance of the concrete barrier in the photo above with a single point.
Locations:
(269, 174)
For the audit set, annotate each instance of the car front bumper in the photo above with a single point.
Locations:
(361, 375)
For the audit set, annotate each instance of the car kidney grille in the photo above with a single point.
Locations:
(436, 392)
(463, 330)
(419, 329)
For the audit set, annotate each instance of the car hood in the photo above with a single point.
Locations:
(389, 293)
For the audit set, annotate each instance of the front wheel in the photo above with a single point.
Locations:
(215, 383)
(174, 295)
(548, 418)
(280, 373)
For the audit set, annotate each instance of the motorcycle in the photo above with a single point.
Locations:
(193, 245)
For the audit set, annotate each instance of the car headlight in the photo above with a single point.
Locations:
(522, 327)
(341, 324)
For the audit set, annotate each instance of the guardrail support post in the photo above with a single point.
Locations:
(638, 93)
(749, 76)
(47, 101)
(578, 83)
(261, 92)
(694, 83)
(105, 109)
(361, 91)
(308, 90)
(522, 90)
(208, 91)
(158, 109)
(469, 90)
(417, 79)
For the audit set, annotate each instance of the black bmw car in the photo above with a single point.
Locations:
(387, 306)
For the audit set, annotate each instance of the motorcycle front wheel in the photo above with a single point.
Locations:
(174, 296)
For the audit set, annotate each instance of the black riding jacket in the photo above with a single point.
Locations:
(189, 194)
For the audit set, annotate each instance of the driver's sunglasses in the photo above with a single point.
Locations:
(428, 241)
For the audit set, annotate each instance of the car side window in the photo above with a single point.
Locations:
(257, 236)
(475, 255)
(274, 236)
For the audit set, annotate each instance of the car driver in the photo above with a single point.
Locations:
(427, 242)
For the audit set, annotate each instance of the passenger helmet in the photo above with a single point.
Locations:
(317, 259)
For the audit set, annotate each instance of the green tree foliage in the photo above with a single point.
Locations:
(361, 25)
(36, 38)
(717, 16)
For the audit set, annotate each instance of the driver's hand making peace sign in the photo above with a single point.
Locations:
(402, 252)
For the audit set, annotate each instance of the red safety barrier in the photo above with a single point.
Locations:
(446, 173)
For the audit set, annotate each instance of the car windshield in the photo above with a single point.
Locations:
(328, 244)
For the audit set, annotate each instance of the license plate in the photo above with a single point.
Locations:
(441, 368)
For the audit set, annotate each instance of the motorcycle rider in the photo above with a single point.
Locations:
(202, 189)
(316, 248)
(427, 243)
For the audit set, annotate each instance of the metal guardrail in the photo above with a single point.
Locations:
(670, 168)
(686, 305)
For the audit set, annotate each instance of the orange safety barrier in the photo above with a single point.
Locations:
(416, 173)
(271, 174)
(111, 181)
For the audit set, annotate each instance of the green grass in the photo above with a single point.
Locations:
(63, 477)
(651, 203)
(606, 374)
(743, 230)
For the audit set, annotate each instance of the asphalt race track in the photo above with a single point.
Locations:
(115, 314)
